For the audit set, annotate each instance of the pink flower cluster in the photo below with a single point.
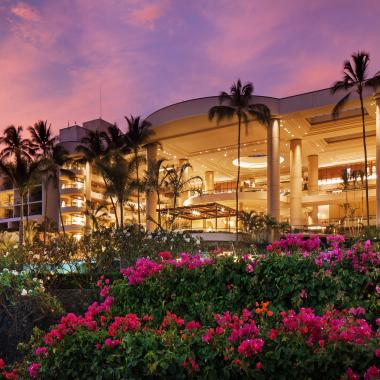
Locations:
(361, 256)
(295, 243)
(333, 326)
(145, 267)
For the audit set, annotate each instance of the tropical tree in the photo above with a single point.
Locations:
(15, 144)
(42, 139)
(176, 182)
(98, 213)
(43, 142)
(95, 148)
(52, 166)
(156, 183)
(24, 173)
(355, 80)
(138, 133)
(238, 103)
(115, 140)
(119, 173)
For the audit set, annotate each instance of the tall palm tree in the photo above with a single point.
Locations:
(97, 213)
(355, 79)
(114, 139)
(43, 142)
(238, 103)
(119, 173)
(177, 182)
(138, 133)
(42, 139)
(51, 169)
(14, 143)
(155, 183)
(24, 173)
(95, 147)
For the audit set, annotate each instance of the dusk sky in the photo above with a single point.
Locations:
(56, 54)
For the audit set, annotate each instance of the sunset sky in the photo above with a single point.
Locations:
(56, 54)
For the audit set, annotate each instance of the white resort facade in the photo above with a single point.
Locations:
(291, 170)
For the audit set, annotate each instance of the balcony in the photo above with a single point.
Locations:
(72, 188)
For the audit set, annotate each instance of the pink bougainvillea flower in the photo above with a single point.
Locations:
(34, 369)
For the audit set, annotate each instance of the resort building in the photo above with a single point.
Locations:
(306, 168)
(292, 170)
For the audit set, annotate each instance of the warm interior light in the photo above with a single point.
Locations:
(254, 162)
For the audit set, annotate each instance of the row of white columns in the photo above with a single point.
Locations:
(273, 176)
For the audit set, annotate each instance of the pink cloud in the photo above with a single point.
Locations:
(25, 12)
(148, 14)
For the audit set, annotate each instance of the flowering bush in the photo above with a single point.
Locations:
(23, 304)
(251, 344)
(283, 315)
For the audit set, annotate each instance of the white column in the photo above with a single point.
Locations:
(378, 160)
(296, 183)
(151, 195)
(312, 183)
(209, 181)
(273, 169)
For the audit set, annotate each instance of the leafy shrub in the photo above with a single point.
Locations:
(23, 305)
(195, 317)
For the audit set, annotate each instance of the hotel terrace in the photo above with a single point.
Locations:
(291, 170)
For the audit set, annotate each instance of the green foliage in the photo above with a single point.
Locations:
(287, 282)
(23, 305)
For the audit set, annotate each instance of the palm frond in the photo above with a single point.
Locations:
(340, 105)
(260, 112)
(221, 113)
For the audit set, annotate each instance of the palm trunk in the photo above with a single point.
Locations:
(159, 209)
(45, 210)
(238, 182)
(174, 209)
(113, 203)
(121, 213)
(21, 225)
(61, 218)
(365, 157)
(138, 189)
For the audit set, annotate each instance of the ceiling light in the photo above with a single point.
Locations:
(254, 162)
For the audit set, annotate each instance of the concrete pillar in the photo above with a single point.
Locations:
(184, 194)
(296, 220)
(312, 183)
(209, 181)
(273, 169)
(151, 195)
(378, 160)
(87, 192)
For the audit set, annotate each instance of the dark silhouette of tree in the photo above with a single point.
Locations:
(138, 134)
(238, 103)
(355, 79)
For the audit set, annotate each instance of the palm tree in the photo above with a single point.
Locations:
(43, 143)
(51, 169)
(94, 148)
(42, 139)
(119, 173)
(15, 143)
(155, 183)
(24, 173)
(114, 139)
(138, 133)
(97, 213)
(176, 182)
(238, 103)
(355, 79)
